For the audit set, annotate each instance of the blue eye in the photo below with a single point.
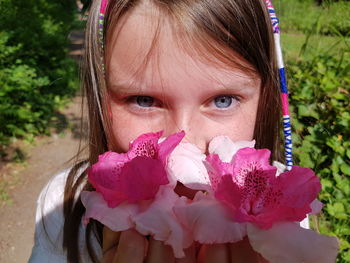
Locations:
(144, 101)
(223, 101)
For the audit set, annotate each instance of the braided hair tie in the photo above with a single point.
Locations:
(287, 129)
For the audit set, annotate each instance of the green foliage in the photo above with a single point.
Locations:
(35, 71)
(331, 18)
(320, 91)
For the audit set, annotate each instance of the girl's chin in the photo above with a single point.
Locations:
(182, 190)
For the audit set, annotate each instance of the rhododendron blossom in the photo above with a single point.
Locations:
(133, 191)
(240, 195)
(135, 175)
(249, 187)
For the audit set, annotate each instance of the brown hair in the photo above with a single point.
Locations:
(225, 28)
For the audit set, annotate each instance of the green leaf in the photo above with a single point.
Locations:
(345, 168)
(348, 153)
(308, 111)
(344, 230)
(337, 210)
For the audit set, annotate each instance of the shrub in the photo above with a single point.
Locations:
(35, 71)
(320, 91)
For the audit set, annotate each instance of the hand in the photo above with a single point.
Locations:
(239, 252)
(131, 247)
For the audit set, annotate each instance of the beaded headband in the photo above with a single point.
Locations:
(287, 130)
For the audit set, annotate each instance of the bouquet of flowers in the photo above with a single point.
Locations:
(238, 194)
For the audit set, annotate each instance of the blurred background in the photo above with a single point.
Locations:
(41, 42)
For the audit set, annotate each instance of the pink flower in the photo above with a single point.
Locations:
(186, 165)
(209, 221)
(136, 175)
(249, 187)
(186, 162)
(159, 221)
(226, 149)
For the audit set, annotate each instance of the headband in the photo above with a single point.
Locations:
(287, 130)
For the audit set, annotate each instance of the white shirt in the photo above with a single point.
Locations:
(49, 217)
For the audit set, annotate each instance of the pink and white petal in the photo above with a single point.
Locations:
(117, 219)
(316, 207)
(185, 165)
(280, 167)
(226, 148)
(167, 146)
(287, 242)
(209, 221)
(305, 223)
(160, 222)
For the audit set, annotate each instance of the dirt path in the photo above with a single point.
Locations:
(45, 159)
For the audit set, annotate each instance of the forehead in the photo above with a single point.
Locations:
(146, 46)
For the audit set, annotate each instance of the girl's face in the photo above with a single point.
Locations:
(159, 86)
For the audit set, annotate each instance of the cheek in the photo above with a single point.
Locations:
(127, 127)
(240, 126)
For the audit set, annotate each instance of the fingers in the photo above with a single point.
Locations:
(216, 253)
(242, 252)
(190, 255)
(109, 244)
(110, 239)
(158, 252)
(131, 248)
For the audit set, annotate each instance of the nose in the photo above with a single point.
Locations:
(192, 125)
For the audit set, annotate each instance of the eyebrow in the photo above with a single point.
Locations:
(132, 89)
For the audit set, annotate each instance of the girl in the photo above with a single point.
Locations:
(202, 66)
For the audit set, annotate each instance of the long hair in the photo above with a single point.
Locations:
(223, 28)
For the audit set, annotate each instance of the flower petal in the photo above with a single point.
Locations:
(160, 222)
(185, 165)
(226, 148)
(217, 169)
(141, 177)
(250, 158)
(300, 186)
(316, 207)
(287, 242)
(105, 176)
(209, 221)
(117, 219)
(145, 145)
(168, 145)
